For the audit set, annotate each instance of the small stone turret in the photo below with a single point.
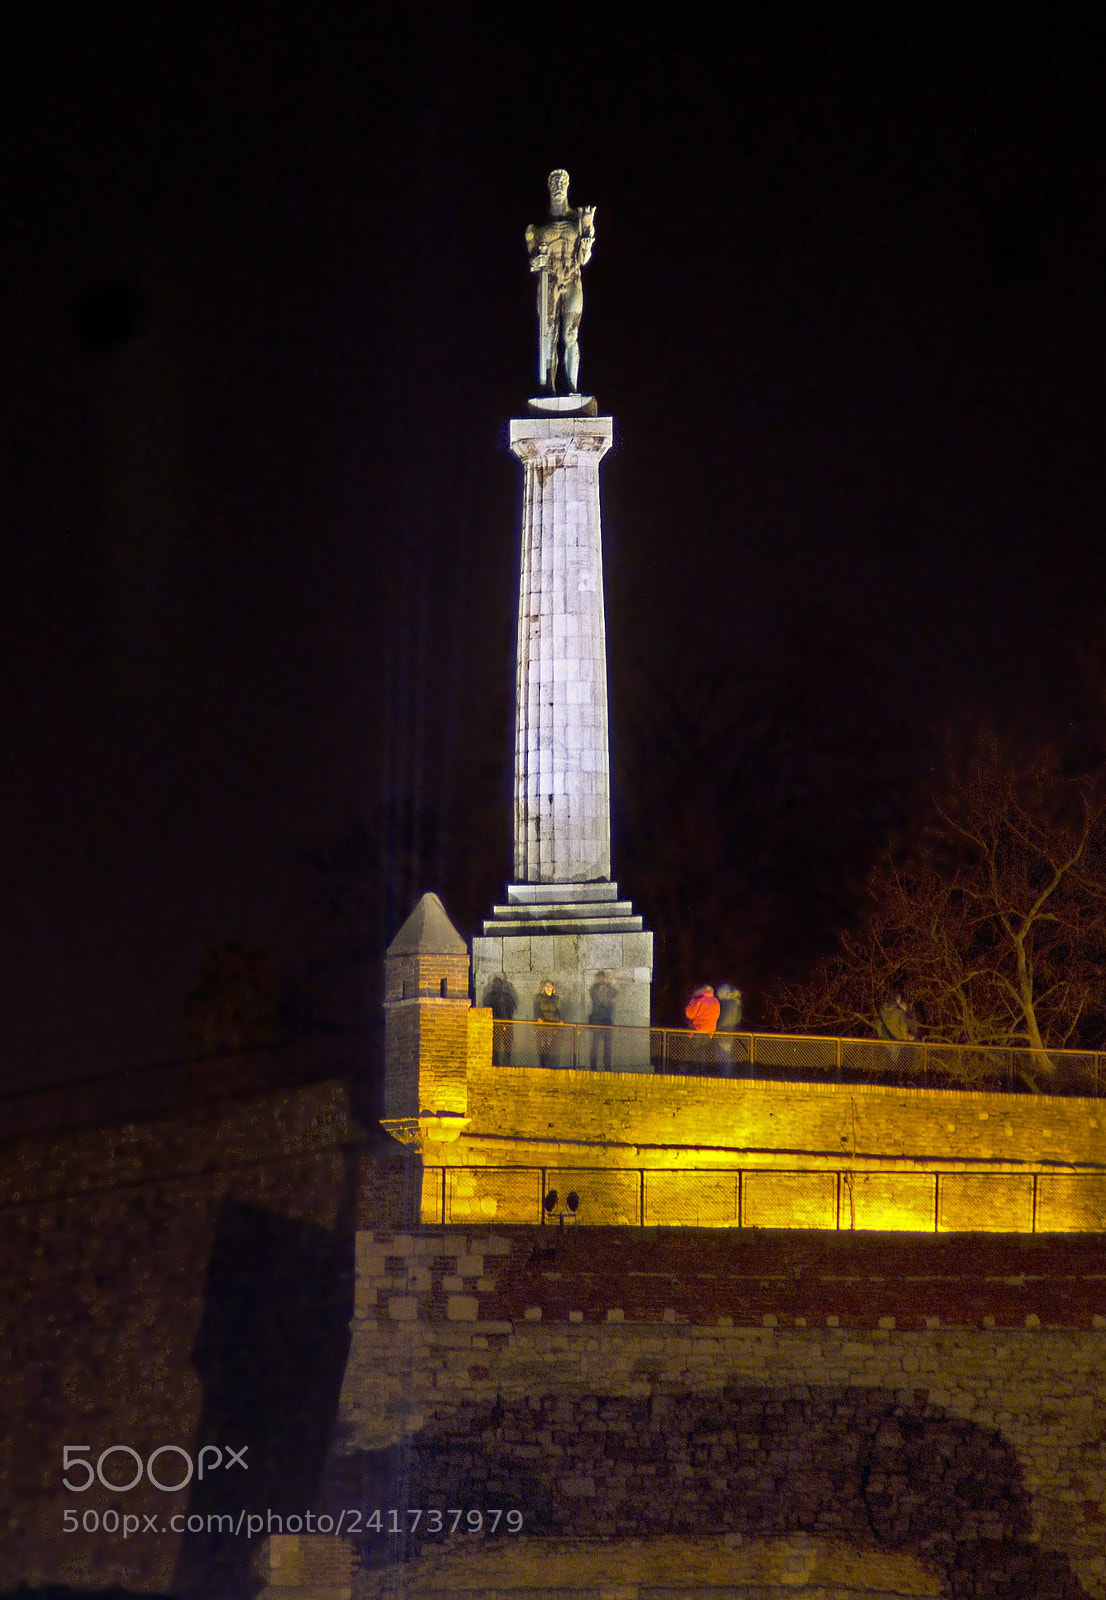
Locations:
(427, 957)
(430, 1028)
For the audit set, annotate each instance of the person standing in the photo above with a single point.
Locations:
(547, 1008)
(603, 995)
(503, 1000)
(701, 1012)
(729, 1020)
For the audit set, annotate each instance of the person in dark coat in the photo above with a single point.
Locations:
(603, 995)
(503, 1000)
(894, 1021)
(547, 1010)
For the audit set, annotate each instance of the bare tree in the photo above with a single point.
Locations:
(994, 928)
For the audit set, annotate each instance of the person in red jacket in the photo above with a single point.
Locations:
(701, 1012)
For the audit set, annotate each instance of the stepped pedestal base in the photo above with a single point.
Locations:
(570, 932)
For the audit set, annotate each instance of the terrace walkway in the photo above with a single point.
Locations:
(788, 1058)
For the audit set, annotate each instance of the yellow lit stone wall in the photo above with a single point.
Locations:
(428, 1052)
(708, 1152)
(665, 1115)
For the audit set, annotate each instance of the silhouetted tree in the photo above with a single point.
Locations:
(993, 928)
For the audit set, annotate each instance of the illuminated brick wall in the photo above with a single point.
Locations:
(912, 1202)
(714, 1397)
(708, 1152)
(428, 1056)
(624, 1111)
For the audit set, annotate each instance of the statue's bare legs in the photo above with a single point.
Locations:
(572, 309)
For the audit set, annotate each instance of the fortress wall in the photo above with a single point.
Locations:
(172, 1281)
(618, 1115)
(796, 1195)
(705, 1152)
(942, 1398)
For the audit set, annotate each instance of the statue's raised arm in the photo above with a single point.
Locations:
(559, 249)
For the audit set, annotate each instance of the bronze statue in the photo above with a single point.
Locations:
(559, 250)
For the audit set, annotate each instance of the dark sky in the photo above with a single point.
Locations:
(266, 312)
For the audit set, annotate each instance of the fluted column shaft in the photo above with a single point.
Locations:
(562, 765)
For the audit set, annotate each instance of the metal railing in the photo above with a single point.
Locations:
(794, 1058)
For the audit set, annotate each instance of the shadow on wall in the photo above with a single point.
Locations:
(270, 1351)
(841, 1463)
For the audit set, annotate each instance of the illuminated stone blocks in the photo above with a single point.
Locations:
(562, 776)
(563, 919)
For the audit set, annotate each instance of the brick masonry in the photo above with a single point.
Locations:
(178, 1280)
(729, 1153)
(934, 1399)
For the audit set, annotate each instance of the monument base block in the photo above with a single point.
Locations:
(570, 933)
(564, 405)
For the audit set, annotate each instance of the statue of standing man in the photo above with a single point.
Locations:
(559, 250)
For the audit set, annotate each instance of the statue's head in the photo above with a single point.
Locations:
(558, 186)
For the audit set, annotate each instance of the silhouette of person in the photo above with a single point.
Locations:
(503, 1000)
(729, 1020)
(603, 995)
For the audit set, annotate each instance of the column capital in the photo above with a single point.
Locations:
(560, 440)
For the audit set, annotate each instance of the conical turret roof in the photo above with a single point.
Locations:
(428, 931)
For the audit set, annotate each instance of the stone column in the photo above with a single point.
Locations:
(562, 776)
(563, 918)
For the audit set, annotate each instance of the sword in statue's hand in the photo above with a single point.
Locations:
(546, 332)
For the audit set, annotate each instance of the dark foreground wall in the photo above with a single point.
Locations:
(180, 1280)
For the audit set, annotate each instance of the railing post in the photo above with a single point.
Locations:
(575, 1043)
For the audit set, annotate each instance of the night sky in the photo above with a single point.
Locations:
(266, 312)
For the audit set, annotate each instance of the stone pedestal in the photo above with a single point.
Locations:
(563, 918)
(304, 1567)
(570, 932)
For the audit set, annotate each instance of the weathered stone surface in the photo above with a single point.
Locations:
(562, 919)
(602, 1396)
(573, 961)
(163, 1277)
(562, 782)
